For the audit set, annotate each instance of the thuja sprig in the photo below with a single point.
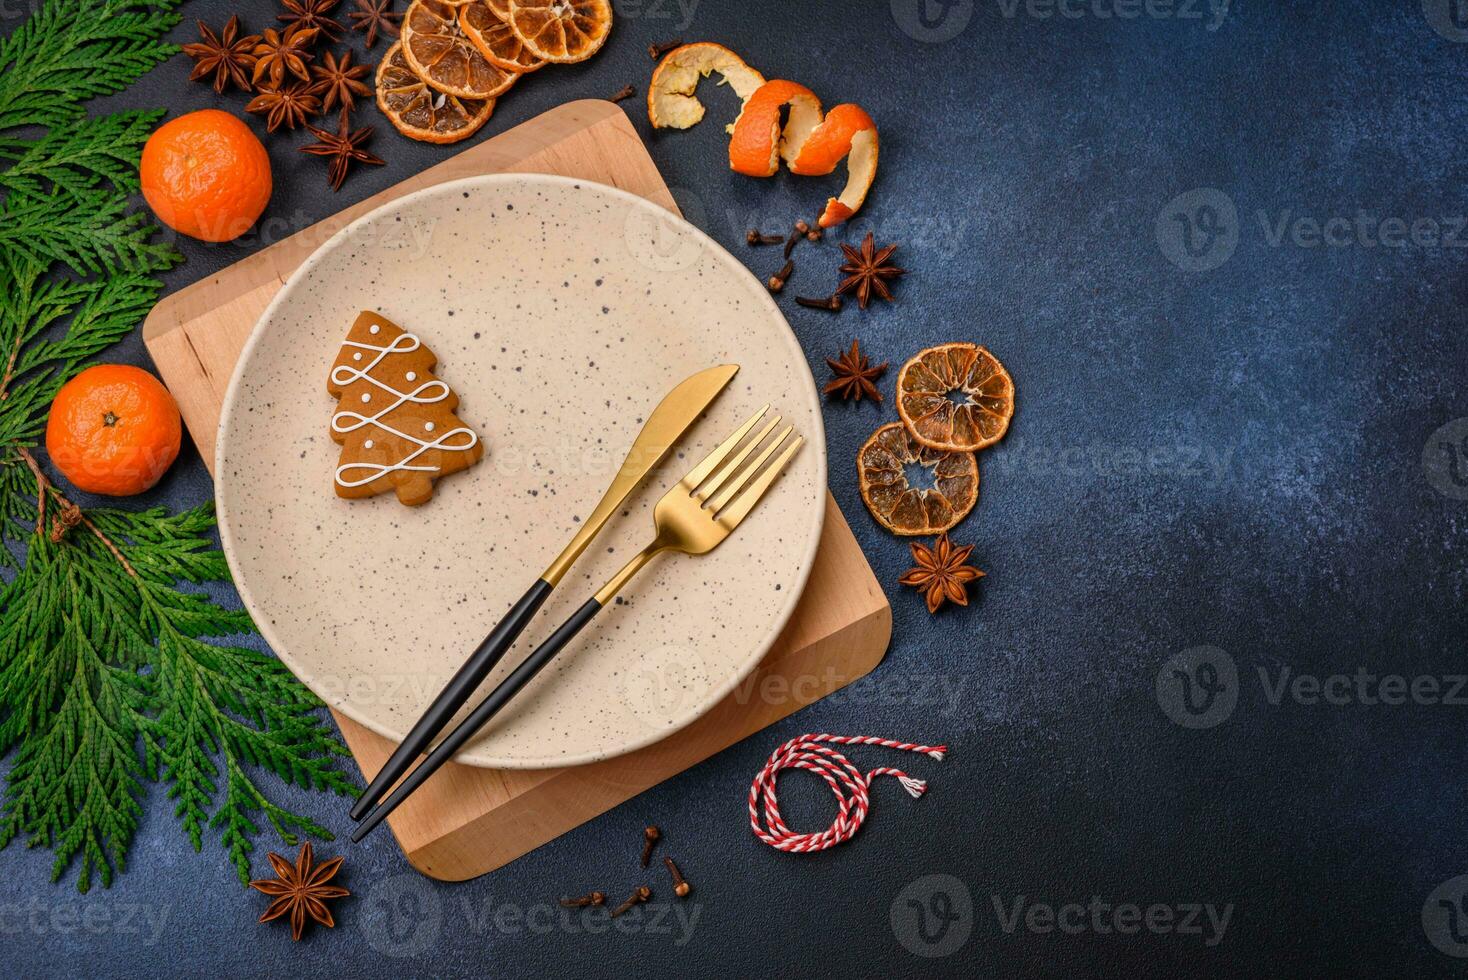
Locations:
(116, 666)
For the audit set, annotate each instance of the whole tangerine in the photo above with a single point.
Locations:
(205, 174)
(113, 429)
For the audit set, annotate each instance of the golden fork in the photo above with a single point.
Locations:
(694, 517)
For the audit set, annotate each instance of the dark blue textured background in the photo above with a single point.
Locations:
(1230, 457)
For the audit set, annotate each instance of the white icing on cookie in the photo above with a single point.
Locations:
(344, 422)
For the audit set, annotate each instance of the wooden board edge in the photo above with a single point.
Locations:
(477, 847)
(460, 853)
(863, 603)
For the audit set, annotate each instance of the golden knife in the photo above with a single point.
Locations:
(674, 415)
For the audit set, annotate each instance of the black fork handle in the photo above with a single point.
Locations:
(458, 690)
(486, 710)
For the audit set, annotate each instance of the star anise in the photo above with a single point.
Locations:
(941, 572)
(853, 376)
(867, 271)
(288, 106)
(300, 890)
(372, 16)
(338, 82)
(284, 50)
(342, 147)
(305, 14)
(226, 54)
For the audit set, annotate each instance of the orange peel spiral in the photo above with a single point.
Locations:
(810, 142)
(671, 102)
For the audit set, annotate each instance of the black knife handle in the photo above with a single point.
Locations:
(486, 710)
(458, 690)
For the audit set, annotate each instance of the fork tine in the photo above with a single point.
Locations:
(745, 501)
(748, 473)
(711, 486)
(701, 472)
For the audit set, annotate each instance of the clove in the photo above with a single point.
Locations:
(777, 281)
(590, 898)
(625, 93)
(650, 838)
(656, 51)
(642, 894)
(804, 229)
(756, 237)
(831, 303)
(681, 888)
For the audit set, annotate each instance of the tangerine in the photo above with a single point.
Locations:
(206, 174)
(113, 429)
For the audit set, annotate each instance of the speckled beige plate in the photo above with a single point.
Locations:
(561, 312)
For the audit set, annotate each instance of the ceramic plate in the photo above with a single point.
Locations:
(561, 312)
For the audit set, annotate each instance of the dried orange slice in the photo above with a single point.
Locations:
(757, 145)
(494, 39)
(882, 467)
(955, 397)
(419, 112)
(671, 103)
(561, 30)
(501, 8)
(441, 54)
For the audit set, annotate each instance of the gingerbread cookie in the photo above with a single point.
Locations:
(395, 420)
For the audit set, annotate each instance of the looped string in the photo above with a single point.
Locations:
(846, 781)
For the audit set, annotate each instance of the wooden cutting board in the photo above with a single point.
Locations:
(467, 821)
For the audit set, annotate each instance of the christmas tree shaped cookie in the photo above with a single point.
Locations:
(395, 420)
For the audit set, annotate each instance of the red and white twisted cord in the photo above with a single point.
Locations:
(846, 781)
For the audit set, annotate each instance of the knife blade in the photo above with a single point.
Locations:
(667, 423)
